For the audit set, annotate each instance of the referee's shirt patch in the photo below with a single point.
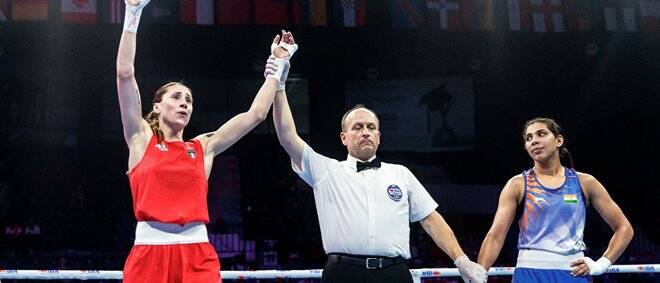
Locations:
(395, 192)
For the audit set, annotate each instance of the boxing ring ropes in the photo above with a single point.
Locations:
(417, 274)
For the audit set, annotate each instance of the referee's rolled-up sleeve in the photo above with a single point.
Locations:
(314, 166)
(421, 202)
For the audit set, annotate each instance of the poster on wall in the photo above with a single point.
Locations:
(420, 115)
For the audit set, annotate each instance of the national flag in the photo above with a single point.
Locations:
(446, 14)
(112, 11)
(4, 10)
(232, 12)
(29, 10)
(518, 12)
(349, 13)
(650, 12)
(408, 13)
(310, 12)
(79, 11)
(463, 15)
(584, 15)
(547, 16)
(271, 12)
(482, 12)
(196, 12)
(161, 11)
(190, 149)
(620, 15)
(570, 199)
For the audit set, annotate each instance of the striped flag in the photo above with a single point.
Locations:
(650, 12)
(232, 12)
(196, 12)
(620, 15)
(310, 12)
(4, 10)
(446, 14)
(483, 14)
(161, 11)
(349, 13)
(570, 199)
(547, 16)
(477, 14)
(406, 14)
(112, 11)
(29, 10)
(518, 12)
(79, 11)
(584, 15)
(271, 12)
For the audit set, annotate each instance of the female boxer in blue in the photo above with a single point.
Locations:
(553, 200)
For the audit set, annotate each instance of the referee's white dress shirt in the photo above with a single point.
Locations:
(365, 213)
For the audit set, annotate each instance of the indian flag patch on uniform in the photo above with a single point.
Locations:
(570, 198)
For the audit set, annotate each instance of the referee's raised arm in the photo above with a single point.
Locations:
(282, 117)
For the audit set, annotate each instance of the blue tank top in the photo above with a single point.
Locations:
(552, 219)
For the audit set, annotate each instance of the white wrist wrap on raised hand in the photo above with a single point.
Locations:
(132, 16)
(281, 64)
(597, 267)
(289, 47)
(283, 77)
(292, 48)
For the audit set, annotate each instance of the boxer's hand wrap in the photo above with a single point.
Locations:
(132, 16)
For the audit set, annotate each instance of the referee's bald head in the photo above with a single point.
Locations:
(356, 107)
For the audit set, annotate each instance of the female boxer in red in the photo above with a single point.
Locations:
(168, 176)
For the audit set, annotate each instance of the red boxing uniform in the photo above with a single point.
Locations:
(169, 189)
(169, 184)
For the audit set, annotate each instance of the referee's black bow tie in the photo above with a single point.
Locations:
(368, 165)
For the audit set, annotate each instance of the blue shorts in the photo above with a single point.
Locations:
(524, 275)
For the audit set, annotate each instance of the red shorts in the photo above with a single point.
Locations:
(178, 263)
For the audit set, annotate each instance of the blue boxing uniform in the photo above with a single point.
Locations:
(551, 230)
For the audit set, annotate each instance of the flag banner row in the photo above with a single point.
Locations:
(451, 15)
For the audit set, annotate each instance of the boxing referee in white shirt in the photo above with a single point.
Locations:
(365, 205)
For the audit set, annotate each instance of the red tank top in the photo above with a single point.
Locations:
(169, 183)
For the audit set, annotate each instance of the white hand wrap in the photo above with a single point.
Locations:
(292, 48)
(471, 271)
(284, 76)
(281, 65)
(285, 72)
(597, 267)
(271, 66)
(132, 16)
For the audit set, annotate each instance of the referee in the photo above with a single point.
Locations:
(365, 205)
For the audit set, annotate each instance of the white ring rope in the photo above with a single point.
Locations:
(274, 274)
